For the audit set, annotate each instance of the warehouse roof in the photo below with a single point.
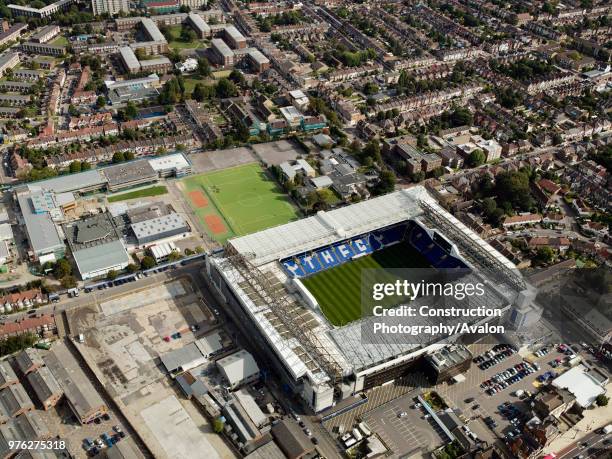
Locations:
(184, 358)
(101, 257)
(159, 226)
(83, 397)
(42, 232)
(44, 384)
(7, 374)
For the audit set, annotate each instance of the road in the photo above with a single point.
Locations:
(587, 447)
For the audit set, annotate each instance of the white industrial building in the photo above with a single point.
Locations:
(238, 369)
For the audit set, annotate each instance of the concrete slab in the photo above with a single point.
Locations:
(274, 153)
(221, 159)
(176, 431)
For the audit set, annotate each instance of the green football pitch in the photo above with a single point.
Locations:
(237, 201)
(338, 289)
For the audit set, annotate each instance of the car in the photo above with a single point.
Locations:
(469, 400)
(106, 417)
(314, 440)
(308, 432)
(403, 414)
(117, 429)
(302, 425)
(475, 407)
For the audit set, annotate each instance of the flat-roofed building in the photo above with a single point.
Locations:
(29, 360)
(45, 242)
(43, 48)
(449, 362)
(110, 7)
(234, 38)
(8, 62)
(199, 25)
(238, 369)
(44, 34)
(27, 75)
(129, 59)
(222, 54)
(152, 30)
(129, 174)
(13, 33)
(81, 395)
(160, 228)
(174, 165)
(7, 375)
(159, 64)
(96, 246)
(41, 13)
(125, 449)
(46, 387)
(15, 400)
(258, 61)
(16, 86)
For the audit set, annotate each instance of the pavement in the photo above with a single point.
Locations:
(588, 446)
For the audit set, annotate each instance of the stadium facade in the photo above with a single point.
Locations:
(258, 276)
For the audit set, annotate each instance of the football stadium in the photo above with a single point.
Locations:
(295, 289)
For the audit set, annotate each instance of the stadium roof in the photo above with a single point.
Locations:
(327, 227)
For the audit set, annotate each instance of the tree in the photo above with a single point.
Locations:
(62, 268)
(602, 400)
(132, 268)
(147, 262)
(226, 88)
(112, 274)
(174, 256)
(188, 35)
(68, 282)
(118, 157)
(85, 166)
(198, 92)
(476, 158)
(386, 182)
(512, 189)
(218, 425)
(204, 67)
(131, 111)
(75, 166)
(370, 88)
(101, 102)
(13, 344)
(544, 256)
(72, 110)
(199, 249)
(129, 155)
(237, 77)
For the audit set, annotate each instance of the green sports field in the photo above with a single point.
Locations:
(237, 201)
(338, 289)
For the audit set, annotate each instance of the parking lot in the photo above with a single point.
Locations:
(403, 427)
(459, 395)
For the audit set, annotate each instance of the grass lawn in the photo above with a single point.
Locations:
(177, 43)
(338, 289)
(190, 84)
(237, 201)
(60, 41)
(143, 193)
(221, 74)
